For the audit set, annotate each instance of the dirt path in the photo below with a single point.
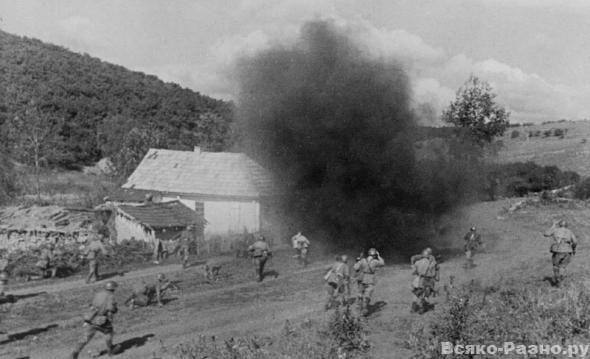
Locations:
(252, 308)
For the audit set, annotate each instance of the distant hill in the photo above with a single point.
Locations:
(99, 103)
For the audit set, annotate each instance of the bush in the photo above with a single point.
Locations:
(519, 179)
(476, 315)
(343, 336)
(582, 190)
(515, 134)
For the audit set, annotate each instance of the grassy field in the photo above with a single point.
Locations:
(572, 152)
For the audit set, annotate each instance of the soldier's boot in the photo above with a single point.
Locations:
(556, 276)
(415, 308)
(74, 355)
(366, 304)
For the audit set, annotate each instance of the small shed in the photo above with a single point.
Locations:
(163, 220)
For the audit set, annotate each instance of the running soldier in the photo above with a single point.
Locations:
(426, 272)
(338, 279)
(472, 242)
(94, 249)
(562, 249)
(301, 246)
(100, 319)
(146, 294)
(367, 268)
(260, 252)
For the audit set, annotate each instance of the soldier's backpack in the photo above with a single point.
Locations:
(425, 267)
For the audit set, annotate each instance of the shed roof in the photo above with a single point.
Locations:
(201, 173)
(163, 214)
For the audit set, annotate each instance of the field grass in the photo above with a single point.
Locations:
(572, 152)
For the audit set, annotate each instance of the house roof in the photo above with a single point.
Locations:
(129, 195)
(201, 173)
(163, 214)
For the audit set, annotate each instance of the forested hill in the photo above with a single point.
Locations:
(84, 108)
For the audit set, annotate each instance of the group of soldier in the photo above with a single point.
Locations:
(338, 276)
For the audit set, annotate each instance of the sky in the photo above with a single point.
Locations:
(534, 53)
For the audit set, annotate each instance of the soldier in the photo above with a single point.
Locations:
(338, 279)
(92, 252)
(46, 267)
(367, 268)
(100, 319)
(144, 294)
(562, 249)
(260, 252)
(184, 242)
(472, 242)
(301, 246)
(426, 272)
(3, 274)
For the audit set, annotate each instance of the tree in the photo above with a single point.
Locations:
(475, 109)
(36, 140)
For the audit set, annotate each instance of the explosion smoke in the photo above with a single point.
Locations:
(337, 129)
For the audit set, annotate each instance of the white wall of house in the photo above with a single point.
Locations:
(226, 217)
(128, 228)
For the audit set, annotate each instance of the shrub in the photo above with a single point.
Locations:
(515, 134)
(476, 315)
(582, 190)
(342, 336)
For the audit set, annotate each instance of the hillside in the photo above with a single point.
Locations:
(96, 105)
(570, 152)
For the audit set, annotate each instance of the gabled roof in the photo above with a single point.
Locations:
(201, 173)
(129, 195)
(163, 215)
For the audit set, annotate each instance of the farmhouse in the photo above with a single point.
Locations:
(164, 220)
(230, 190)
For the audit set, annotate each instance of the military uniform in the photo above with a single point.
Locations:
(472, 242)
(338, 280)
(145, 294)
(46, 263)
(426, 272)
(99, 319)
(366, 269)
(94, 249)
(260, 252)
(301, 245)
(562, 249)
(3, 276)
(184, 245)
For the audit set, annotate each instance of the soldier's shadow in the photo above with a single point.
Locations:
(551, 281)
(105, 276)
(271, 273)
(21, 335)
(129, 344)
(13, 298)
(375, 307)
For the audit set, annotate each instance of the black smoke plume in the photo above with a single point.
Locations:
(338, 130)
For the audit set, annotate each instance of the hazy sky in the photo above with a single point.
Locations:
(536, 53)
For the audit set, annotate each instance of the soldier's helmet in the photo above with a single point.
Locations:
(563, 223)
(111, 286)
(344, 258)
(3, 276)
(427, 251)
(473, 229)
(372, 252)
(161, 276)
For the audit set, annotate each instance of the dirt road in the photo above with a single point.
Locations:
(244, 307)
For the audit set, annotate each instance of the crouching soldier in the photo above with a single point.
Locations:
(260, 252)
(100, 319)
(426, 272)
(338, 279)
(146, 294)
(562, 249)
(367, 268)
